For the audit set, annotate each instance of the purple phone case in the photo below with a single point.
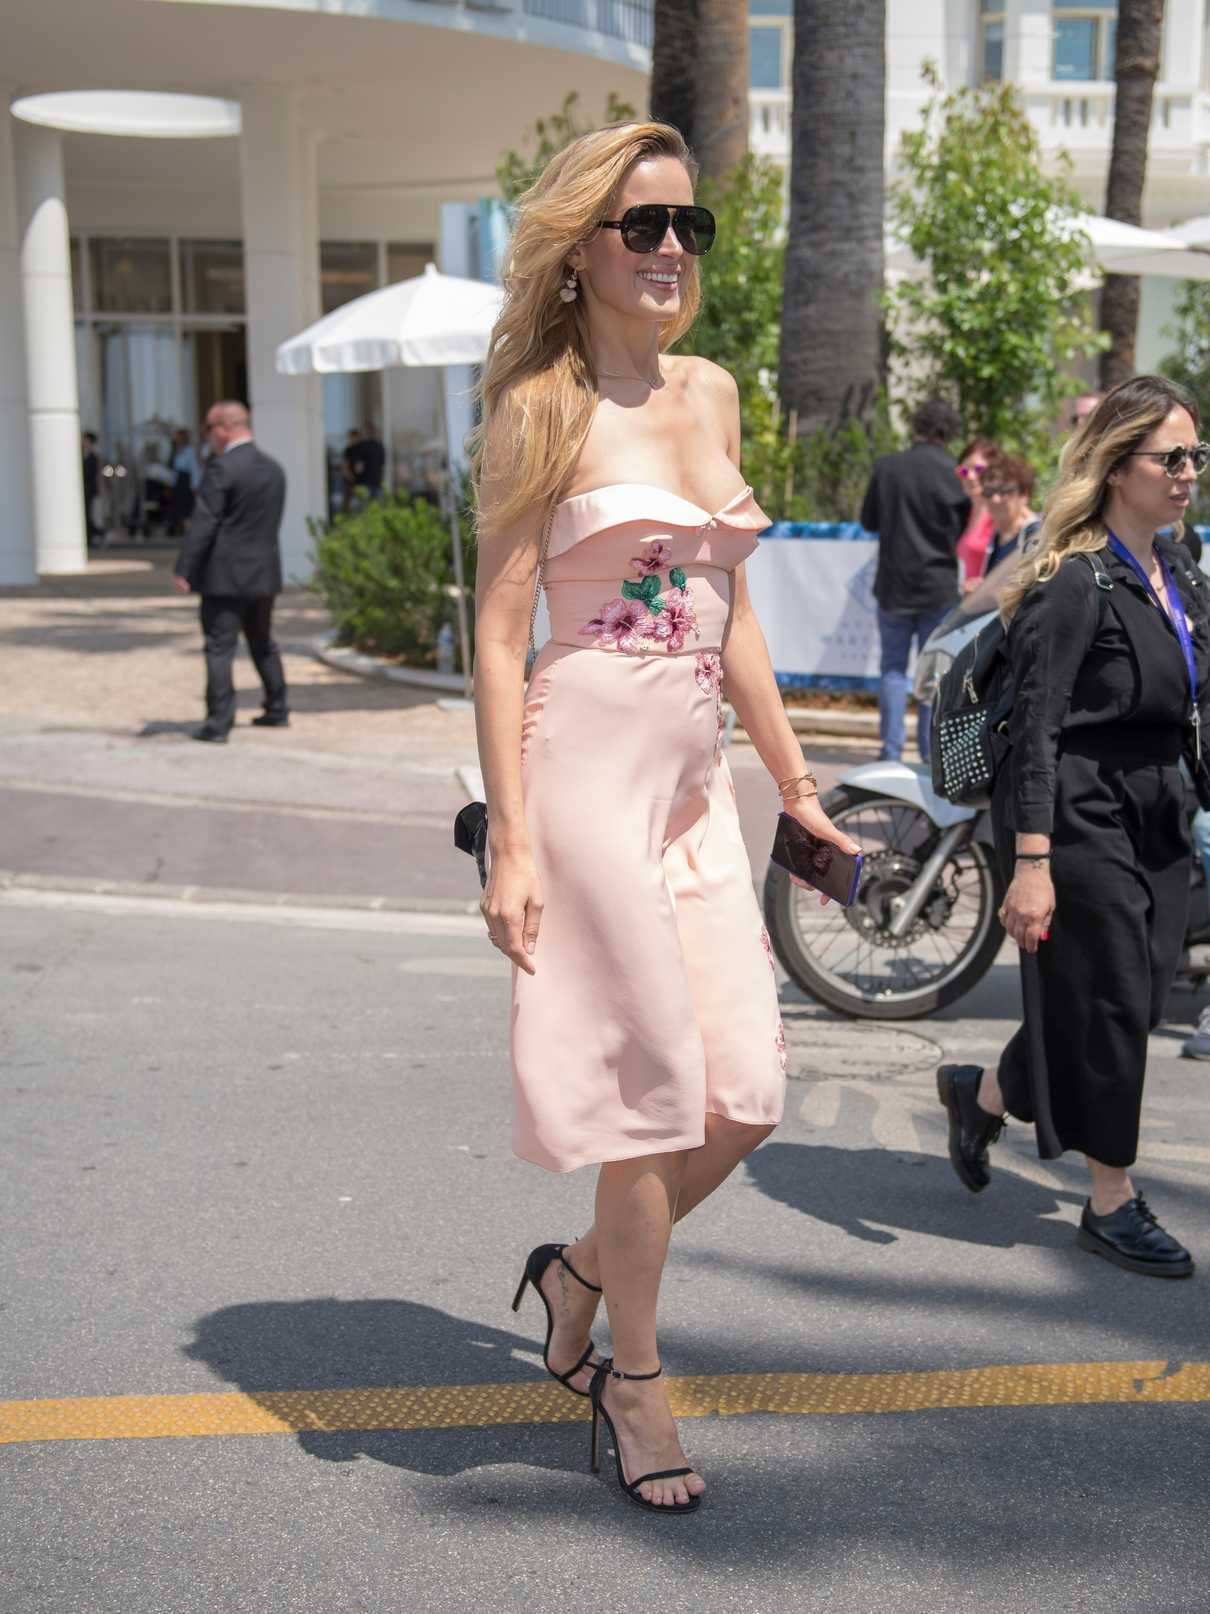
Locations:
(816, 863)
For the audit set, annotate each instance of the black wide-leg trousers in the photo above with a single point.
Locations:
(1120, 865)
(224, 617)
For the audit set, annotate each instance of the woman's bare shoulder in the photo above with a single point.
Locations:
(703, 375)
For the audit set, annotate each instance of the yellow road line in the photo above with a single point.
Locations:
(453, 1406)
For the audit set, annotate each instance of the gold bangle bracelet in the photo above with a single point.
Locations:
(807, 778)
(802, 795)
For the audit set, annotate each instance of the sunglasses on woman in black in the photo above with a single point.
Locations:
(644, 227)
(1173, 459)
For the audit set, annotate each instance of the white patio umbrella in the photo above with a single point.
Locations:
(433, 320)
(1117, 248)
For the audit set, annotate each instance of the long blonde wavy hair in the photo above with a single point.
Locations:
(538, 390)
(1072, 518)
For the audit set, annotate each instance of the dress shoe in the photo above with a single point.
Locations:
(211, 736)
(972, 1130)
(1131, 1237)
(270, 720)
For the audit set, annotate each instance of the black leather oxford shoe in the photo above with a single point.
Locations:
(210, 736)
(1131, 1237)
(972, 1130)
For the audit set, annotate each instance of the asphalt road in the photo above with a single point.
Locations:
(249, 1151)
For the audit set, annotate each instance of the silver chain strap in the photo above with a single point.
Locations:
(538, 580)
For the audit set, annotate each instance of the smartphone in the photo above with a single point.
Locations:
(815, 862)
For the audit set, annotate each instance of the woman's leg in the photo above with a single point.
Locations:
(636, 1204)
(574, 1306)
(1111, 1185)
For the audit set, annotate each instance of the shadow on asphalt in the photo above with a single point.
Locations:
(331, 1344)
(868, 1193)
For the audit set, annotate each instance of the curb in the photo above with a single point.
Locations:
(11, 880)
(803, 719)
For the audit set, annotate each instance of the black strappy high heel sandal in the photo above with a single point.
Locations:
(630, 1488)
(536, 1264)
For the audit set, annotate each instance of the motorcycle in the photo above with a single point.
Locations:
(922, 930)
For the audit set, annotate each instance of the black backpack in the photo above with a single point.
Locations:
(968, 733)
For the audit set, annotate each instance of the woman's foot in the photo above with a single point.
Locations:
(963, 1090)
(573, 1306)
(647, 1439)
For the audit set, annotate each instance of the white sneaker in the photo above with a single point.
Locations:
(1198, 1045)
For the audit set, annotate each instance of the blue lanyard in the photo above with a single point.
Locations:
(1175, 615)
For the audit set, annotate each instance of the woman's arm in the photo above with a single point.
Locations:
(749, 681)
(506, 577)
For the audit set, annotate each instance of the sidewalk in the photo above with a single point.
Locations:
(100, 684)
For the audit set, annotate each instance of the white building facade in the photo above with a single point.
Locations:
(1059, 53)
(145, 274)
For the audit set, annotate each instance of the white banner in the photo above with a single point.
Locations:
(813, 589)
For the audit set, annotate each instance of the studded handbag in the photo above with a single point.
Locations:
(968, 734)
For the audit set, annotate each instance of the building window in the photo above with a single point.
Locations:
(130, 275)
(347, 269)
(991, 41)
(768, 45)
(1085, 38)
(212, 277)
(407, 259)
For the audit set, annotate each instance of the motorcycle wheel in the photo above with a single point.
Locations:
(845, 957)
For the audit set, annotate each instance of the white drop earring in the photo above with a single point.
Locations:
(571, 290)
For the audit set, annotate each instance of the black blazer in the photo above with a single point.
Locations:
(231, 547)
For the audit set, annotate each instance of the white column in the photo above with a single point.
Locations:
(50, 352)
(17, 548)
(281, 267)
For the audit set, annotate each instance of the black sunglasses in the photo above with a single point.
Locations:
(1173, 459)
(644, 227)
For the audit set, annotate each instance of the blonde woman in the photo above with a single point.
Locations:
(645, 1030)
(1109, 641)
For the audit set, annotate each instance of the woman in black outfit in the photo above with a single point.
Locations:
(1089, 808)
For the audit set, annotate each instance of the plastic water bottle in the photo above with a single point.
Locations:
(445, 649)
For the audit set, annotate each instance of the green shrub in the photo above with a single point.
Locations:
(385, 573)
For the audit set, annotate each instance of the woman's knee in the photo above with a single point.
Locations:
(742, 1136)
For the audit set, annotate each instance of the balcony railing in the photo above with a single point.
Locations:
(631, 20)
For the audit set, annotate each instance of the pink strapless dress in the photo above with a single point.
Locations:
(654, 1000)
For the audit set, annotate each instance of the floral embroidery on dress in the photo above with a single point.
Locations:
(708, 672)
(781, 1046)
(768, 947)
(643, 613)
(653, 561)
(676, 619)
(624, 623)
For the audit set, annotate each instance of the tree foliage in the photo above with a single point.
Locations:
(517, 170)
(1189, 361)
(997, 319)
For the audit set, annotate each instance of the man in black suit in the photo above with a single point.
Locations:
(231, 557)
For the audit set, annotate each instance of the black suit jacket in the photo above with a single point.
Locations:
(232, 545)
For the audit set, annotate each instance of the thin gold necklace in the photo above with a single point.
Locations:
(616, 375)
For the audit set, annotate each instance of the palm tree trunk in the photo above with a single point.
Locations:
(721, 68)
(674, 70)
(831, 360)
(1136, 68)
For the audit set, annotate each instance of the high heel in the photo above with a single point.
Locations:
(536, 1263)
(630, 1488)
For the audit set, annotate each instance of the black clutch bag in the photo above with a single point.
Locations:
(816, 862)
(470, 835)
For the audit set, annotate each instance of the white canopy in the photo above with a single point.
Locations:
(434, 319)
(1117, 248)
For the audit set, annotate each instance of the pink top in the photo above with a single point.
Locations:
(669, 563)
(972, 546)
